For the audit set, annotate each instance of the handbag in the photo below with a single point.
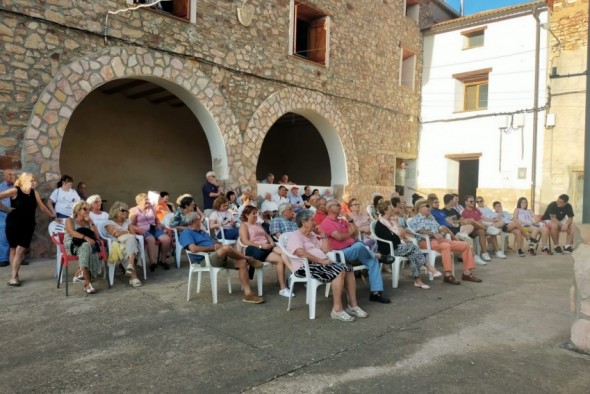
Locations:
(77, 242)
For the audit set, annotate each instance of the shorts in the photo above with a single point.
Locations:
(258, 254)
(159, 233)
(216, 260)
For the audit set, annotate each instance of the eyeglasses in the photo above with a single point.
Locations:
(123, 210)
(85, 209)
(479, 201)
(470, 201)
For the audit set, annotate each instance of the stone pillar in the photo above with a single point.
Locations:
(580, 294)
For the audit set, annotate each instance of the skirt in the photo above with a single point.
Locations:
(324, 273)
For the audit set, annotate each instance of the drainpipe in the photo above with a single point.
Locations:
(535, 106)
(586, 195)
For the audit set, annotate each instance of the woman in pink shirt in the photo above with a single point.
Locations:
(260, 245)
(313, 246)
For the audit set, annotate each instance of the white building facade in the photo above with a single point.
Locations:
(478, 105)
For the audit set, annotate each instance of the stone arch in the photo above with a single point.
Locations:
(322, 113)
(181, 77)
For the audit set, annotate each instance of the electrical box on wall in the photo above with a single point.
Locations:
(550, 121)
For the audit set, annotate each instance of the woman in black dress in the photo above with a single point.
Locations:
(20, 222)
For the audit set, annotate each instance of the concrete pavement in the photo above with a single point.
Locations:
(505, 334)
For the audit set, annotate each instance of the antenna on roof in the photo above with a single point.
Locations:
(461, 8)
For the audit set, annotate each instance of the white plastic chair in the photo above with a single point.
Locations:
(312, 284)
(204, 266)
(54, 228)
(177, 247)
(214, 232)
(259, 271)
(503, 239)
(432, 254)
(112, 266)
(398, 263)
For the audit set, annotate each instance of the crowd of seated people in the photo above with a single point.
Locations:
(335, 225)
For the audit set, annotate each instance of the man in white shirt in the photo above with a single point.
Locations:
(268, 205)
(280, 196)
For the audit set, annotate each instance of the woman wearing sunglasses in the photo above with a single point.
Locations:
(118, 230)
(79, 243)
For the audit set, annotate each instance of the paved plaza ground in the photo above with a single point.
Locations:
(503, 335)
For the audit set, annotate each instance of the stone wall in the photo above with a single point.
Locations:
(563, 153)
(580, 292)
(54, 53)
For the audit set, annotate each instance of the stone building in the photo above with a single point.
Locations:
(129, 100)
(563, 167)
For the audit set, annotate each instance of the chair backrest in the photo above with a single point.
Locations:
(283, 242)
(102, 231)
(374, 235)
(58, 240)
(55, 227)
(167, 219)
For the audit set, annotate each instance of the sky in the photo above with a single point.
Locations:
(473, 6)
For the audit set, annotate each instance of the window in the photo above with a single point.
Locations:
(407, 69)
(183, 9)
(412, 9)
(472, 90)
(473, 38)
(310, 34)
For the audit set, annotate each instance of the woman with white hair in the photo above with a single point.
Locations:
(95, 203)
(310, 242)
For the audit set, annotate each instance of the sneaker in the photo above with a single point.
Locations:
(491, 230)
(568, 249)
(558, 250)
(342, 316)
(285, 293)
(478, 260)
(545, 250)
(4, 264)
(378, 297)
(500, 254)
(253, 299)
(486, 257)
(164, 265)
(521, 253)
(531, 252)
(356, 311)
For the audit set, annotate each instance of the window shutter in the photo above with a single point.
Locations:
(181, 8)
(318, 33)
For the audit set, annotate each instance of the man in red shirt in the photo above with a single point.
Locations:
(472, 216)
(342, 236)
(321, 212)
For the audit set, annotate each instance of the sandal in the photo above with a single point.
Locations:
(135, 282)
(342, 316)
(89, 289)
(13, 282)
(129, 270)
(79, 277)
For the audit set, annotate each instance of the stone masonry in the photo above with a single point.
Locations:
(54, 53)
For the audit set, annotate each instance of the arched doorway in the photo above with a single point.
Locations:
(324, 117)
(131, 135)
(294, 146)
